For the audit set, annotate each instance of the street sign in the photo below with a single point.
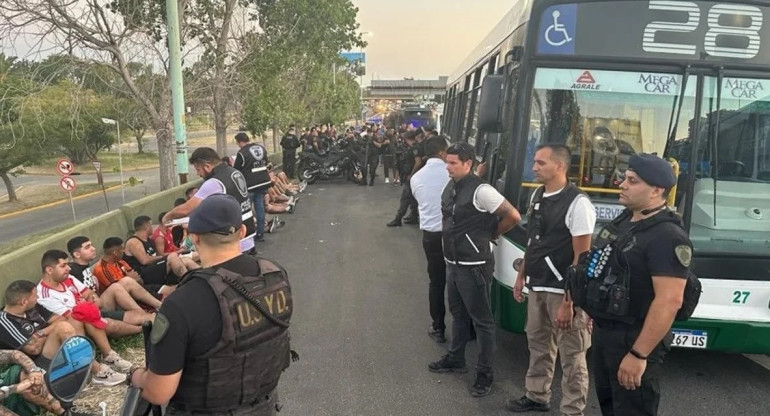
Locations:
(97, 165)
(65, 167)
(67, 184)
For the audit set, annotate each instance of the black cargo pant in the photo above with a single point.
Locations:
(468, 294)
(387, 165)
(611, 342)
(407, 200)
(431, 243)
(289, 161)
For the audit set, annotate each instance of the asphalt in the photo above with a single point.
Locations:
(361, 318)
(40, 220)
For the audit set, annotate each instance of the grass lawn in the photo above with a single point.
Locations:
(36, 195)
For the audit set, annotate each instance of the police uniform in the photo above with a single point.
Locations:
(231, 355)
(251, 161)
(289, 143)
(405, 167)
(554, 219)
(466, 235)
(234, 184)
(618, 291)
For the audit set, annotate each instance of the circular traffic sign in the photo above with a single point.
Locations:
(65, 167)
(67, 184)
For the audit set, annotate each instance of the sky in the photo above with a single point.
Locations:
(423, 39)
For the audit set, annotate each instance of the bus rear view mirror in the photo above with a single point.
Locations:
(490, 104)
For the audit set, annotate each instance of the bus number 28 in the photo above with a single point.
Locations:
(740, 297)
(741, 14)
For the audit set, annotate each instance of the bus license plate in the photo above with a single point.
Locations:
(689, 339)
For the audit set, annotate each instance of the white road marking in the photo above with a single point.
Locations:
(760, 359)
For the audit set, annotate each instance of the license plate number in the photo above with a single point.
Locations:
(690, 339)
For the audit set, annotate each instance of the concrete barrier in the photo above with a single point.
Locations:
(24, 263)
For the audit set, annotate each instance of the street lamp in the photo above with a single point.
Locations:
(361, 77)
(120, 155)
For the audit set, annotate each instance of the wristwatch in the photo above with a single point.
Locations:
(636, 354)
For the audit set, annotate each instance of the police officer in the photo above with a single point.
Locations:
(289, 144)
(474, 214)
(219, 179)
(560, 227)
(251, 161)
(212, 350)
(410, 158)
(636, 276)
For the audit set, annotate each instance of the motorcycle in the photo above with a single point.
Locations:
(339, 161)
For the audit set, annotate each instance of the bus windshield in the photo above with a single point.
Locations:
(731, 196)
(604, 117)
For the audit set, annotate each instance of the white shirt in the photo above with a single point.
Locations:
(581, 215)
(487, 199)
(427, 185)
(61, 302)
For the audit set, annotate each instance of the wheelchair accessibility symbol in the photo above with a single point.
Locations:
(557, 34)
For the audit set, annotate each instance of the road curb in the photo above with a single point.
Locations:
(53, 204)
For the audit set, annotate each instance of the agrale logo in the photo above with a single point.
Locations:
(586, 81)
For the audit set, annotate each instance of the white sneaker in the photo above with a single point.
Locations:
(116, 362)
(273, 225)
(302, 186)
(387, 180)
(106, 377)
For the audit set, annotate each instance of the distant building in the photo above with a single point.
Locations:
(407, 90)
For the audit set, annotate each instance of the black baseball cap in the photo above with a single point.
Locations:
(653, 170)
(218, 214)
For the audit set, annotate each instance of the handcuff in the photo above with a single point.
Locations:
(131, 372)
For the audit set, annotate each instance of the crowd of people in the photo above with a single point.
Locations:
(627, 285)
(109, 292)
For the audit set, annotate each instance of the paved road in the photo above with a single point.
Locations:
(40, 220)
(361, 317)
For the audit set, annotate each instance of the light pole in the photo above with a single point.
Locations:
(120, 155)
(361, 76)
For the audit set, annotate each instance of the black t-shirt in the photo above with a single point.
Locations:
(84, 274)
(651, 254)
(15, 331)
(195, 320)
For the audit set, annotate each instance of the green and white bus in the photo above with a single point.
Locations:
(688, 80)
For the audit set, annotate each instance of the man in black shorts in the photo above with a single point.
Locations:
(207, 324)
(156, 271)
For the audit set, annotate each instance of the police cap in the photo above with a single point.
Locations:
(218, 214)
(653, 170)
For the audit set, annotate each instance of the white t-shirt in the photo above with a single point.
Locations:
(487, 199)
(61, 302)
(581, 215)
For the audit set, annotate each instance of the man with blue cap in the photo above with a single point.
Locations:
(636, 275)
(220, 342)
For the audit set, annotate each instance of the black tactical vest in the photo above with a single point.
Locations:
(466, 230)
(235, 186)
(246, 364)
(549, 241)
(255, 166)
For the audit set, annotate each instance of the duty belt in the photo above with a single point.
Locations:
(259, 401)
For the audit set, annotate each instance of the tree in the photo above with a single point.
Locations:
(292, 64)
(17, 146)
(95, 32)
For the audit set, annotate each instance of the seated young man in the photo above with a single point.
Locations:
(39, 333)
(123, 296)
(155, 270)
(61, 293)
(162, 238)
